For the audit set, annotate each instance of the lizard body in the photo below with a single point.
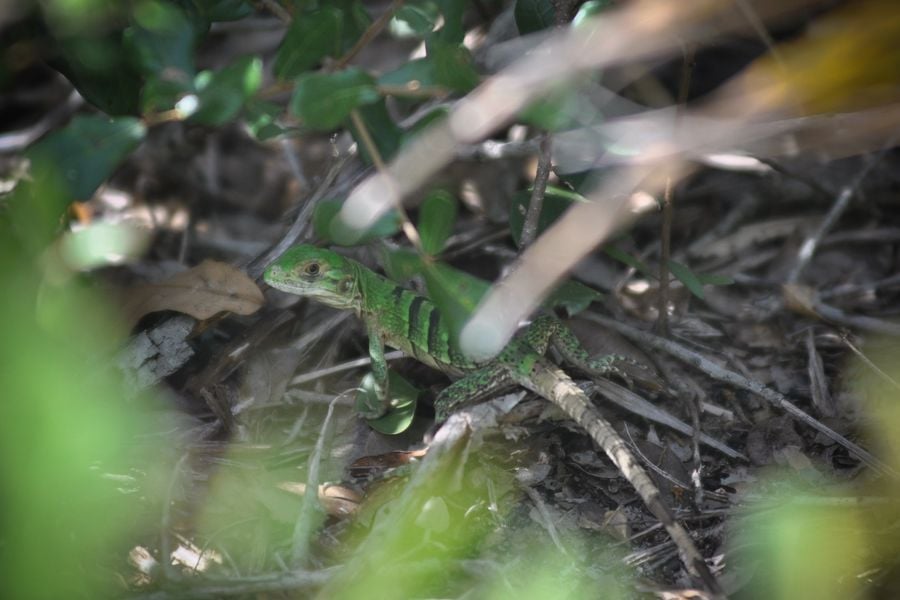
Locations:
(412, 323)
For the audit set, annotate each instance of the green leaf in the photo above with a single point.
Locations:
(453, 66)
(356, 21)
(623, 257)
(420, 70)
(401, 264)
(534, 15)
(453, 30)
(572, 296)
(262, 119)
(556, 202)
(687, 277)
(84, 153)
(590, 9)
(324, 100)
(413, 21)
(455, 293)
(386, 134)
(102, 72)
(310, 37)
(713, 279)
(437, 216)
(222, 95)
(329, 229)
(403, 395)
(163, 37)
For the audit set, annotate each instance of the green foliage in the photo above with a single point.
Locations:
(66, 428)
(437, 216)
(452, 66)
(415, 20)
(572, 296)
(329, 229)
(534, 15)
(455, 293)
(420, 70)
(311, 37)
(403, 395)
(221, 95)
(85, 152)
(325, 100)
(556, 202)
(162, 36)
(694, 282)
(589, 9)
(261, 117)
(385, 133)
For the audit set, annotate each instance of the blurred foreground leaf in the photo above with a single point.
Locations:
(85, 152)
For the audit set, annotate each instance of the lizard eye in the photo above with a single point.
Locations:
(312, 269)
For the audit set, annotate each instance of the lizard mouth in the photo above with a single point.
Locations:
(277, 278)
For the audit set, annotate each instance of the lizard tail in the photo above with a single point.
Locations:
(554, 385)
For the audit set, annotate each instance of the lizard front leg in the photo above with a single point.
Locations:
(475, 386)
(380, 375)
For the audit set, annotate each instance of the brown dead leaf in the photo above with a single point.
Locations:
(201, 292)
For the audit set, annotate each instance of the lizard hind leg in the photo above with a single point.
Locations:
(552, 332)
(475, 386)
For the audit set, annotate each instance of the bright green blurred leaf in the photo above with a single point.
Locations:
(329, 229)
(455, 293)
(311, 37)
(804, 550)
(84, 488)
(401, 264)
(452, 66)
(437, 216)
(687, 277)
(221, 95)
(84, 153)
(403, 403)
(325, 100)
(102, 244)
(534, 15)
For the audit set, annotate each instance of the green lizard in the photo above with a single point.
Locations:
(410, 322)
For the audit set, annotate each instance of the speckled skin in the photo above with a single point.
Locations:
(410, 322)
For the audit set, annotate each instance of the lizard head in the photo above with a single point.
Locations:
(320, 274)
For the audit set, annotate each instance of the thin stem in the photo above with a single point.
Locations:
(529, 227)
(368, 35)
(366, 138)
